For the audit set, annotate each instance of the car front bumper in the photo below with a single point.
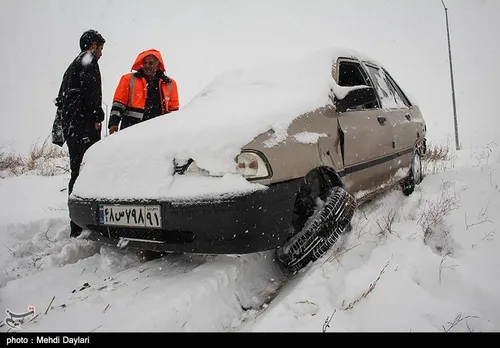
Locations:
(237, 225)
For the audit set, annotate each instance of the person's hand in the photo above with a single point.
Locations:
(113, 129)
(98, 126)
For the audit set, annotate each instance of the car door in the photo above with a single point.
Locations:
(366, 135)
(407, 127)
(397, 108)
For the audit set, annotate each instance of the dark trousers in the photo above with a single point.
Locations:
(76, 148)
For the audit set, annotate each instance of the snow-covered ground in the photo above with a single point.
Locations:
(428, 262)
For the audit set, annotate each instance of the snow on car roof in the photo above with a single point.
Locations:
(212, 128)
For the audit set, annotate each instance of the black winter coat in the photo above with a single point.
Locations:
(79, 102)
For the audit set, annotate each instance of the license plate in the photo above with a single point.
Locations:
(148, 216)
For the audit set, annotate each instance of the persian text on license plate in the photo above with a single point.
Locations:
(130, 215)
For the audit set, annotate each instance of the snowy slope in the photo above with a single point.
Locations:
(382, 276)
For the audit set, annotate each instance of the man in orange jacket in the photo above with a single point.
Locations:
(144, 94)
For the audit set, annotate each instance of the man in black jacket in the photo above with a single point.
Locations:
(79, 106)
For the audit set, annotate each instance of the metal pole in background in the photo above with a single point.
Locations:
(457, 143)
(106, 119)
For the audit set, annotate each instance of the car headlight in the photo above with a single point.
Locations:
(252, 165)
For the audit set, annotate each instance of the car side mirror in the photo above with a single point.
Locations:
(356, 97)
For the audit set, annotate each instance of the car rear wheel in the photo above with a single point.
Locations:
(415, 176)
(320, 232)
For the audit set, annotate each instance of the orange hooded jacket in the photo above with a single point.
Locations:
(131, 92)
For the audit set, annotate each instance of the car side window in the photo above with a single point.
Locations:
(398, 89)
(389, 98)
(351, 74)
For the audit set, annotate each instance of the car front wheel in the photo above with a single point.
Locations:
(320, 232)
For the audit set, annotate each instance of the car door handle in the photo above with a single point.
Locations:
(408, 116)
(381, 119)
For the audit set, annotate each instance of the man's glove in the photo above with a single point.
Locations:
(99, 115)
(57, 129)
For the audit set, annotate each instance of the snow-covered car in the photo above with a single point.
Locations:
(271, 157)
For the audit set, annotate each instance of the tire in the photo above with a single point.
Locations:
(320, 232)
(415, 176)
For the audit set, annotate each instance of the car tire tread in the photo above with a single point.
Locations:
(320, 232)
(411, 181)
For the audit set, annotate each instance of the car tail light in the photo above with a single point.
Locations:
(251, 165)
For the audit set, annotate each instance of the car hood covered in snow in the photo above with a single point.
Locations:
(229, 113)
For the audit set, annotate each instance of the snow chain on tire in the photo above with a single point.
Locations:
(320, 232)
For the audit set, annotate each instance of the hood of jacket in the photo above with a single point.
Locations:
(138, 61)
